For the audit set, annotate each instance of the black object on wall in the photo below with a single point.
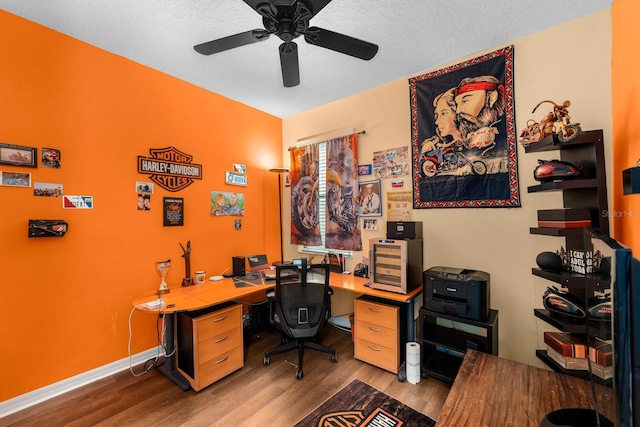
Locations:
(631, 180)
(47, 228)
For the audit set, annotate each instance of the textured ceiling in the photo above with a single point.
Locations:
(413, 36)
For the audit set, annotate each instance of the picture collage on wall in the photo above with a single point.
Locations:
(22, 156)
(393, 164)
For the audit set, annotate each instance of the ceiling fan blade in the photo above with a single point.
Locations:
(340, 43)
(230, 42)
(317, 5)
(289, 64)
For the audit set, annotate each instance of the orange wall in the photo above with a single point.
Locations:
(66, 301)
(625, 63)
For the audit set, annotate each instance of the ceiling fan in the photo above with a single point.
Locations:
(289, 19)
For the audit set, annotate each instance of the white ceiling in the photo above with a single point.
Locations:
(413, 36)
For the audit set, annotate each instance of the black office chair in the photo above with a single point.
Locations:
(301, 308)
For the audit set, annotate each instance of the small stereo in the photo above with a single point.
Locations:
(238, 263)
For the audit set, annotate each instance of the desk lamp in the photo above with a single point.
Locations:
(280, 171)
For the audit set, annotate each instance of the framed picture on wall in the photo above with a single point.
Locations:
(370, 200)
(173, 211)
(18, 155)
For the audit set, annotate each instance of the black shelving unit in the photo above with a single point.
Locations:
(444, 340)
(585, 375)
(587, 191)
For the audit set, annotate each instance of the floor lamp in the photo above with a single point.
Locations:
(280, 171)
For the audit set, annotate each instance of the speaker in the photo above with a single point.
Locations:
(238, 263)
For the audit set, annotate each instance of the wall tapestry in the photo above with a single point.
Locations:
(342, 230)
(463, 134)
(305, 226)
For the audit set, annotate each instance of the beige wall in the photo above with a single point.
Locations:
(570, 61)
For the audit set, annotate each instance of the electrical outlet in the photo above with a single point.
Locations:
(152, 305)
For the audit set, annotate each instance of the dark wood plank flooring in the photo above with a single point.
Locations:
(256, 395)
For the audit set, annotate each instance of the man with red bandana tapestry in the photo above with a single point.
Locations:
(463, 134)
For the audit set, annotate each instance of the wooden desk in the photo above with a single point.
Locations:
(213, 293)
(351, 283)
(492, 391)
(193, 298)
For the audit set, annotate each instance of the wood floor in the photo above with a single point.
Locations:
(256, 395)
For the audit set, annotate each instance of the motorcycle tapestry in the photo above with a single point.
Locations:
(463, 134)
(341, 228)
(305, 228)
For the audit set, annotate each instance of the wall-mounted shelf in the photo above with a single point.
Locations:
(587, 191)
(542, 355)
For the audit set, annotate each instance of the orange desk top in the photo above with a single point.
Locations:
(351, 283)
(187, 298)
(211, 293)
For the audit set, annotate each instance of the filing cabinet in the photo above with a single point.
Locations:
(377, 334)
(210, 344)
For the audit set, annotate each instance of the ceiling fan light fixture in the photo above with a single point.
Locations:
(289, 20)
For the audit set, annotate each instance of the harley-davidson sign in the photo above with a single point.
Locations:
(170, 168)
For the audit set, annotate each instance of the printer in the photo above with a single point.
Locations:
(457, 292)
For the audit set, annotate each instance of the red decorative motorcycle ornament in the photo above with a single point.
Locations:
(555, 170)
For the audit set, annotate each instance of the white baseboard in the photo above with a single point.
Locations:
(40, 395)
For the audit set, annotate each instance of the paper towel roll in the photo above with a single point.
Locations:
(413, 362)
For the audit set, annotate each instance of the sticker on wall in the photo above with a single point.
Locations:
(173, 211)
(235, 179)
(170, 168)
(77, 202)
(144, 187)
(238, 168)
(224, 203)
(51, 158)
(15, 179)
(46, 189)
(397, 183)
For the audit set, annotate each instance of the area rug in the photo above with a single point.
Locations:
(359, 404)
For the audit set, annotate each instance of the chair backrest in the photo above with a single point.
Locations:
(302, 297)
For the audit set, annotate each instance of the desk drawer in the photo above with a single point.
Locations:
(213, 324)
(376, 354)
(376, 313)
(377, 334)
(221, 343)
(219, 367)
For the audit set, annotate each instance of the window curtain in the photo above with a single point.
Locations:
(305, 226)
(342, 226)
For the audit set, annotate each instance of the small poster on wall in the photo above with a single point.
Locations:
(227, 203)
(51, 158)
(173, 211)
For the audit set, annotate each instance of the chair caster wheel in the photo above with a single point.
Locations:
(334, 358)
(299, 375)
(266, 360)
